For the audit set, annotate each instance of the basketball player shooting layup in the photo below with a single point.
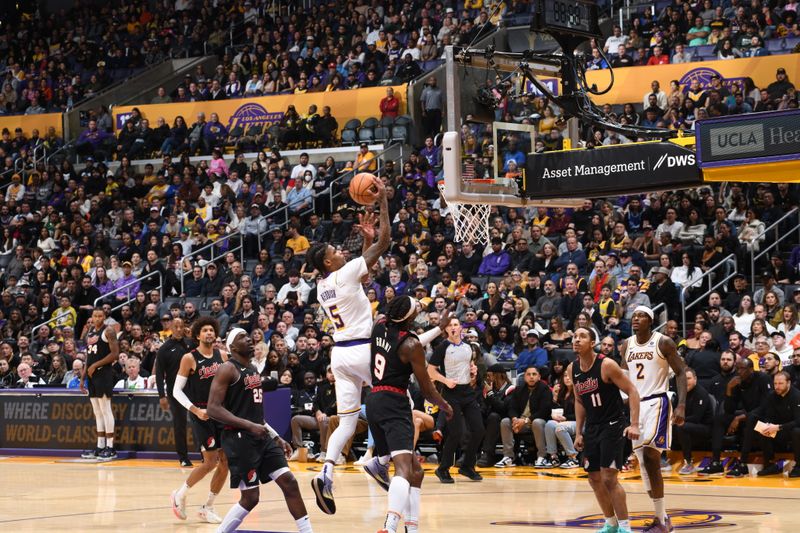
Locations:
(256, 454)
(198, 369)
(396, 354)
(102, 352)
(598, 403)
(342, 297)
(648, 356)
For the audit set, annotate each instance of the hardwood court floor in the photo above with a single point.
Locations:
(49, 494)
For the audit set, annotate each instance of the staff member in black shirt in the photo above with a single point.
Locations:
(781, 412)
(450, 365)
(698, 422)
(168, 360)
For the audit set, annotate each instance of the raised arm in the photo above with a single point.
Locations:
(670, 351)
(415, 353)
(372, 253)
(610, 371)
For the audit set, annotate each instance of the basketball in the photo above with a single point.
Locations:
(362, 188)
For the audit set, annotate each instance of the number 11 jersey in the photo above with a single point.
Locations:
(601, 401)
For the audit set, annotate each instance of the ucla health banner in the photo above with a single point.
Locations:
(30, 122)
(58, 419)
(631, 83)
(269, 110)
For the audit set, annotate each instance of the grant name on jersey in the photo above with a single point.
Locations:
(383, 344)
(327, 295)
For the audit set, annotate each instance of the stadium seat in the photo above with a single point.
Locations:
(366, 135)
(403, 120)
(370, 123)
(387, 122)
(382, 134)
(352, 124)
(349, 137)
(563, 353)
(776, 45)
(399, 133)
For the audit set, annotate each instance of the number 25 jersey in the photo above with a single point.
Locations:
(648, 369)
(346, 305)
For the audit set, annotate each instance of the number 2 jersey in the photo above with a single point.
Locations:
(244, 397)
(387, 368)
(601, 401)
(648, 369)
(346, 305)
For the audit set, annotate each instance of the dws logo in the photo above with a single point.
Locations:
(737, 139)
(672, 161)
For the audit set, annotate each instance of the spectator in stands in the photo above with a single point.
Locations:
(365, 160)
(622, 58)
(780, 412)
(780, 87)
(431, 103)
(659, 57)
(680, 55)
(27, 379)
(213, 135)
(497, 262)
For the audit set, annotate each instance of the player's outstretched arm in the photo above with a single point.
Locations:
(668, 349)
(611, 371)
(412, 350)
(372, 253)
(226, 374)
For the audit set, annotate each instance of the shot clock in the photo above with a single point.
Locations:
(569, 18)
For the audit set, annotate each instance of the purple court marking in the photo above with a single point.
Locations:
(259, 531)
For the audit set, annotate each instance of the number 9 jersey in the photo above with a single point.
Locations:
(386, 367)
(345, 303)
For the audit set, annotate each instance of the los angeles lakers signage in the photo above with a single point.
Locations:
(267, 111)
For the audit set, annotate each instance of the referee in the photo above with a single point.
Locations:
(450, 364)
(168, 360)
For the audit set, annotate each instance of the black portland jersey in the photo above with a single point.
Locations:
(601, 401)
(97, 347)
(204, 372)
(387, 367)
(244, 397)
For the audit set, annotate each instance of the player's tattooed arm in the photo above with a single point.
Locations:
(372, 253)
(668, 349)
(216, 410)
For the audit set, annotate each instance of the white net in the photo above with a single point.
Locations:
(471, 221)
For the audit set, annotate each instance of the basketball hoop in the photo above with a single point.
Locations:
(471, 221)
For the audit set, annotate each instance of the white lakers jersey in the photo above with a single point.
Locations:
(648, 369)
(343, 299)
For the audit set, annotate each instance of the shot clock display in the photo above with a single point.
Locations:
(566, 17)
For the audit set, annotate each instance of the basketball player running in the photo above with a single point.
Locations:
(396, 354)
(197, 369)
(648, 357)
(598, 381)
(102, 351)
(256, 454)
(342, 297)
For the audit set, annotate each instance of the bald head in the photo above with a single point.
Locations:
(178, 328)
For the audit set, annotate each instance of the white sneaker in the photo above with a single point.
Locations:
(364, 458)
(341, 460)
(505, 462)
(208, 514)
(321, 457)
(295, 455)
(541, 462)
(178, 505)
